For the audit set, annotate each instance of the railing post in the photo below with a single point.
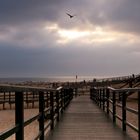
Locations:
(61, 94)
(47, 102)
(100, 97)
(107, 95)
(114, 107)
(52, 109)
(4, 97)
(57, 108)
(76, 92)
(96, 96)
(41, 111)
(27, 102)
(33, 100)
(19, 115)
(124, 111)
(103, 99)
(90, 93)
(139, 115)
(71, 90)
(64, 99)
(10, 100)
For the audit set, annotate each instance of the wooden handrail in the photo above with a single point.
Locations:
(109, 95)
(56, 96)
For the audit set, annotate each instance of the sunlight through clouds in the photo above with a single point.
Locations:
(96, 35)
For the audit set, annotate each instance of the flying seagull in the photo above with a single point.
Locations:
(71, 16)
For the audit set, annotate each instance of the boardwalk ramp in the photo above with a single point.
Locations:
(83, 120)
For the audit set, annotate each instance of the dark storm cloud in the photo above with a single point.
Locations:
(122, 15)
(20, 12)
(27, 49)
(67, 60)
(14, 12)
(21, 61)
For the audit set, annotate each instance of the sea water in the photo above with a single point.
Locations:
(49, 79)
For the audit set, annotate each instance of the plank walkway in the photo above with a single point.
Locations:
(83, 120)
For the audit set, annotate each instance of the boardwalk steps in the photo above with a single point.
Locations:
(83, 120)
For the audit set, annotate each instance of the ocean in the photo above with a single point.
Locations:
(49, 79)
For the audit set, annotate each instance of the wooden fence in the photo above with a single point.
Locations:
(107, 99)
(52, 103)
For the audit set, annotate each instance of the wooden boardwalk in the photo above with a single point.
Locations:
(83, 120)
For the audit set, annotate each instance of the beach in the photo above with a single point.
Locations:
(7, 120)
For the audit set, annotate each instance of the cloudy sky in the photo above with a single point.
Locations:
(38, 39)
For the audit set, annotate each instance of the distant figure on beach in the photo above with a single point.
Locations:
(71, 16)
(131, 81)
(133, 76)
(94, 80)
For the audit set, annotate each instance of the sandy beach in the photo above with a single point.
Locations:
(7, 120)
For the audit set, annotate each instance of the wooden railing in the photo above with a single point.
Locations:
(50, 108)
(107, 99)
(129, 81)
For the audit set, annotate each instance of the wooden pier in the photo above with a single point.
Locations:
(84, 120)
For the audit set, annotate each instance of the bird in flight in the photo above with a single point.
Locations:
(71, 16)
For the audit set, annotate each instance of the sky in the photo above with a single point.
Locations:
(38, 39)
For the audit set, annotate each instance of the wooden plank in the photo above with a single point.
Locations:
(83, 120)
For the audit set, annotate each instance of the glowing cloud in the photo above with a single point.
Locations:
(93, 35)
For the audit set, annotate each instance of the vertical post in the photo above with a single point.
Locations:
(124, 111)
(61, 94)
(90, 93)
(94, 95)
(10, 100)
(33, 100)
(72, 93)
(27, 99)
(119, 96)
(64, 99)
(47, 100)
(100, 97)
(4, 100)
(41, 111)
(57, 108)
(103, 99)
(139, 115)
(107, 95)
(52, 109)
(19, 115)
(114, 107)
